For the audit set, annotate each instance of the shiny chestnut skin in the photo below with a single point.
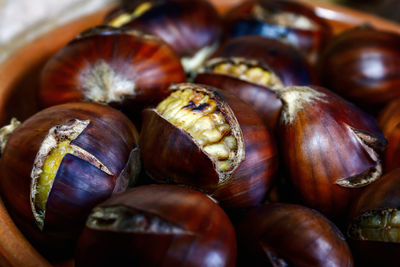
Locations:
(381, 198)
(290, 235)
(116, 66)
(104, 160)
(389, 122)
(330, 147)
(187, 26)
(370, 59)
(171, 155)
(158, 225)
(286, 61)
(251, 18)
(262, 98)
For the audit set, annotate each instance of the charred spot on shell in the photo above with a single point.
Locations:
(204, 115)
(128, 220)
(52, 150)
(376, 225)
(283, 18)
(248, 70)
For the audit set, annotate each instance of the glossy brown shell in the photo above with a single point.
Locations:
(207, 237)
(320, 148)
(239, 21)
(187, 26)
(146, 61)
(298, 235)
(362, 65)
(170, 155)
(286, 61)
(78, 185)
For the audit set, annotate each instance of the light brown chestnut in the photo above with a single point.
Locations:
(330, 147)
(209, 139)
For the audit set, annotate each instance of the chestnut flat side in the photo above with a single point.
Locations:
(19, 81)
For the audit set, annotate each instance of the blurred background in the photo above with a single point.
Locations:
(24, 20)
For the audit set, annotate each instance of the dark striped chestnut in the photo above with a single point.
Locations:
(211, 140)
(158, 225)
(59, 164)
(330, 147)
(116, 66)
(192, 28)
(290, 235)
(254, 82)
(285, 60)
(389, 122)
(374, 223)
(288, 21)
(371, 59)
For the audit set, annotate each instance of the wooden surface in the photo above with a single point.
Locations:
(19, 79)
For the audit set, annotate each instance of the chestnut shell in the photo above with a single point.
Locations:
(202, 235)
(286, 61)
(78, 185)
(370, 59)
(187, 26)
(240, 21)
(170, 155)
(114, 59)
(298, 235)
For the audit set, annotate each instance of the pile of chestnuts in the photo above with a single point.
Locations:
(174, 136)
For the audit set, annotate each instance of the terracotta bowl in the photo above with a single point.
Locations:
(19, 81)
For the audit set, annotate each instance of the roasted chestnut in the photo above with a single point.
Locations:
(192, 28)
(120, 67)
(288, 21)
(290, 235)
(286, 61)
(330, 147)
(253, 81)
(374, 223)
(59, 164)
(157, 225)
(389, 122)
(209, 139)
(370, 59)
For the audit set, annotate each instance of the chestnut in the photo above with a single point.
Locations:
(389, 122)
(192, 28)
(157, 225)
(251, 80)
(329, 146)
(211, 140)
(370, 58)
(59, 164)
(374, 222)
(291, 22)
(285, 60)
(290, 235)
(117, 66)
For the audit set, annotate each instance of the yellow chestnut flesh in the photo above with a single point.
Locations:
(198, 114)
(127, 17)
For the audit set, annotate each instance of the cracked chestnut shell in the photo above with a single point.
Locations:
(389, 122)
(290, 235)
(121, 67)
(211, 140)
(374, 223)
(252, 81)
(287, 21)
(59, 164)
(158, 225)
(330, 147)
(371, 59)
(285, 60)
(192, 28)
